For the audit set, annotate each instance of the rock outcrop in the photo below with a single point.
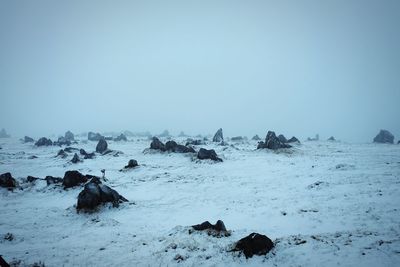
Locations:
(254, 244)
(208, 154)
(219, 136)
(272, 142)
(384, 136)
(44, 142)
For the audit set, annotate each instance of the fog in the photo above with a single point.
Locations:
(296, 67)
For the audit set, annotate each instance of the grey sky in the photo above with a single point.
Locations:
(297, 67)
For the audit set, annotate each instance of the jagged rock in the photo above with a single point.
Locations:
(384, 136)
(293, 140)
(7, 181)
(28, 139)
(69, 136)
(172, 146)
(73, 178)
(101, 146)
(3, 134)
(254, 244)
(217, 229)
(95, 194)
(61, 153)
(331, 138)
(256, 138)
(86, 155)
(121, 137)
(208, 154)
(75, 159)
(219, 136)
(62, 142)
(44, 142)
(53, 180)
(282, 138)
(157, 144)
(272, 142)
(70, 149)
(94, 136)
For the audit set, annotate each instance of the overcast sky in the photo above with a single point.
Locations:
(296, 67)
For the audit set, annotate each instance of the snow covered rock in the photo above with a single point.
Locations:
(157, 144)
(28, 139)
(237, 139)
(94, 136)
(256, 138)
(218, 229)
(384, 136)
(86, 155)
(75, 159)
(7, 181)
(121, 137)
(208, 154)
(254, 244)
(101, 146)
(272, 142)
(219, 136)
(53, 180)
(293, 140)
(61, 153)
(44, 142)
(172, 146)
(95, 194)
(73, 178)
(191, 142)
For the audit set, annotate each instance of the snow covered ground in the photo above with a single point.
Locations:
(323, 203)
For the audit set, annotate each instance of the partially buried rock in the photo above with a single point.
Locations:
(86, 155)
(157, 144)
(53, 180)
(95, 194)
(191, 142)
(219, 136)
(44, 142)
(61, 153)
(256, 138)
(31, 179)
(131, 164)
(218, 229)
(101, 146)
(208, 154)
(7, 181)
(384, 136)
(172, 146)
(28, 139)
(272, 142)
(293, 140)
(282, 138)
(254, 244)
(94, 136)
(331, 138)
(73, 178)
(121, 137)
(62, 142)
(75, 159)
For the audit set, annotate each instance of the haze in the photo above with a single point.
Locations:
(296, 67)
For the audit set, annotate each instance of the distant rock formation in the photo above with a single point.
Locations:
(316, 138)
(95, 136)
(238, 139)
(331, 138)
(44, 142)
(272, 142)
(3, 134)
(157, 144)
(254, 244)
(282, 138)
(69, 136)
(384, 136)
(62, 141)
(170, 146)
(219, 136)
(256, 138)
(28, 139)
(208, 154)
(121, 137)
(101, 146)
(293, 140)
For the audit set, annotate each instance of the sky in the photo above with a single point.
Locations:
(295, 67)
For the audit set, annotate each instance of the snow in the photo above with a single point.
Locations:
(342, 199)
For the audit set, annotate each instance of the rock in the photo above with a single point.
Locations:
(31, 179)
(3, 134)
(70, 149)
(101, 146)
(121, 137)
(94, 136)
(28, 139)
(32, 157)
(86, 155)
(73, 178)
(191, 142)
(75, 159)
(282, 138)
(331, 138)
(131, 164)
(218, 229)
(218, 137)
(254, 244)
(293, 140)
(272, 142)
(384, 136)
(61, 153)
(82, 152)
(95, 194)
(53, 180)
(157, 144)
(237, 139)
(7, 181)
(69, 136)
(44, 142)
(256, 138)
(172, 146)
(208, 154)
(62, 142)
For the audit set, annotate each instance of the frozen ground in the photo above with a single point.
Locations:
(323, 203)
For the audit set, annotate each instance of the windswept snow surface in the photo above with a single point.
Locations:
(322, 203)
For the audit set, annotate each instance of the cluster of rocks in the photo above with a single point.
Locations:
(384, 136)
(273, 142)
(65, 140)
(44, 142)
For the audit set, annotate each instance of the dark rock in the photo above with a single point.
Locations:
(95, 194)
(6, 180)
(191, 142)
(86, 155)
(108, 138)
(218, 229)
(208, 154)
(101, 146)
(272, 142)
(121, 137)
(172, 146)
(28, 139)
(75, 159)
(256, 138)
(282, 138)
(31, 179)
(384, 136)
(44, 142)
(70, 149)
(62, 142)
(61, 153)
(237, 139)
(53, 180)
(32, 157)
(73, 178)
(3, 134)
(94, 136)
(254, 244)
(131, 164)
(157, 144)
(82, 152)
(293, 140)
(331, 138)
(398, 142)
(218, 137)
(69, 136)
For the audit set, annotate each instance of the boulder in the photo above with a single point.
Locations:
(384, 136)
(31, 179)
(86, 155)
(157, 144)
(69, 136)
(53, 180)
(95, 193)
(121, 137)
(172, 146)
(62, 142)
(218, 229)
(208, 154)
(44, 142)
(191, 142)
(3, 134)
(73, 178)
(61, 153)
(131, 164)
(7, 181)
(331, 138)
(219, 136)
(293, 140)
(272, 142)
(75, 159)
(398, 142)
(101, 146)
(94, 136)
(254, 244)
(28, 139)
(282, 138)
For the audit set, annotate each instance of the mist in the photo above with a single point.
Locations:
(299, 68)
